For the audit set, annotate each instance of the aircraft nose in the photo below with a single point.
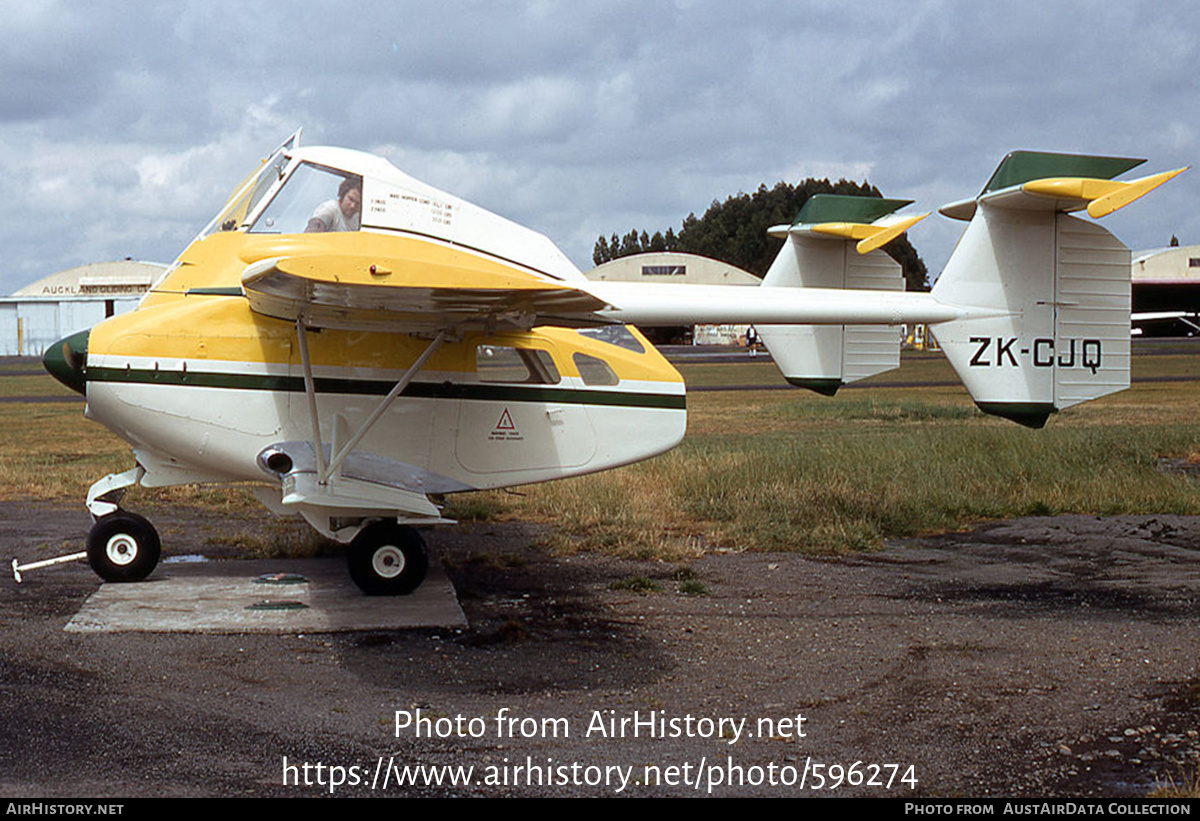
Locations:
(66, 360)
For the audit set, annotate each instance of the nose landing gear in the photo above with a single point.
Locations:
(123, 547)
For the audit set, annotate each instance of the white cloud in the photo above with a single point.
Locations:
(122, 128)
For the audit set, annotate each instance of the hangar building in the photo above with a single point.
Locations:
(1167, 281)
(39, 314)
(679, 268)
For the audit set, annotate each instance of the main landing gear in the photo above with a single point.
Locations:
(385, 559)
(388, 559)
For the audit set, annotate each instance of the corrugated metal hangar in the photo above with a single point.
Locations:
(39, 314)
(1166, 291)
(680, 268)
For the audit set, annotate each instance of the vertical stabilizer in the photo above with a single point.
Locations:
(1061, 286)
(831, 246)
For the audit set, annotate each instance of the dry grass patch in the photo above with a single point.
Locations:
(52, 452)
(627, 512)
(815, 491)
(278, 538)
(1186, 786)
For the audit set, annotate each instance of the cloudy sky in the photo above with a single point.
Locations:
(123, 127)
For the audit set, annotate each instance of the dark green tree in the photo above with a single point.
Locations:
(601, 254)
(735, 231)
(670, 241)
(630, 244)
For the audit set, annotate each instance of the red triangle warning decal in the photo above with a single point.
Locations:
(506, 422)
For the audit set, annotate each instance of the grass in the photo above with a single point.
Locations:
(636, 584)
(1187, 786)
(279, 538)
(767, 469)
(818, 493)
(792, 471)
(875, 407)
(21, 384)
(51, 452)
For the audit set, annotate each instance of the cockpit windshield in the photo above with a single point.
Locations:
(251, 191)
(313, 199)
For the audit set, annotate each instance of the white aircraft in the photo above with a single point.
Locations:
(355, 342)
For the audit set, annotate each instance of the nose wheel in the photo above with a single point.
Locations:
(123, 547)
(388, 559)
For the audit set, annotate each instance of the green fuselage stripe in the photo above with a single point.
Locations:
(381, 387)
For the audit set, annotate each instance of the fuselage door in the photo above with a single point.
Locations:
(518, 413)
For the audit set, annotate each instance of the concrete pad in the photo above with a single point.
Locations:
(214, 597)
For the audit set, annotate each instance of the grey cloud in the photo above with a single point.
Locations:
(574, 118)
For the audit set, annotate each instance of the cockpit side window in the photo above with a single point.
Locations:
(499, 363)
(313, 199)
(617, 335)
(595, 371)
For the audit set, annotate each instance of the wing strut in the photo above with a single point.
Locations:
(323, 471)
(310, 391)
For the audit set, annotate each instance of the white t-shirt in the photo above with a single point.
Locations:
(331, 214)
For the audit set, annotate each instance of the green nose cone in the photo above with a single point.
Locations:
(66, 360)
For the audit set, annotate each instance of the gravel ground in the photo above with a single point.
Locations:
(1039, 657)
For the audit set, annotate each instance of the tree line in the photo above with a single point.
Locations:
(735, 231)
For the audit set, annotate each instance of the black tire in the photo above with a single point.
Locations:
(388, 559)
(123, 547)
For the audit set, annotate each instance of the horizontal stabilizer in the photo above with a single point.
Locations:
(866, 220)
(1102, 196)
(1040, 181)
(1020, 167)
(842, 208)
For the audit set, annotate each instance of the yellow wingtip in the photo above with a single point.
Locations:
(1105, 205)
(886, 234)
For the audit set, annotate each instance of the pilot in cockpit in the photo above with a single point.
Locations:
(341, 214)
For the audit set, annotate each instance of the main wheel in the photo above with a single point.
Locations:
(123, 547)
(388, 559)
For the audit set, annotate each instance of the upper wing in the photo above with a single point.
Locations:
(360, 291)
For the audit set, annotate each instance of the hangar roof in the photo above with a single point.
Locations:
(1180, 264)
(119, 278)
(672, 267)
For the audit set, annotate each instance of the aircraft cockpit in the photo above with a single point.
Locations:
(249, 194)
(313, 199)
(335, 190)
(300, 197)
